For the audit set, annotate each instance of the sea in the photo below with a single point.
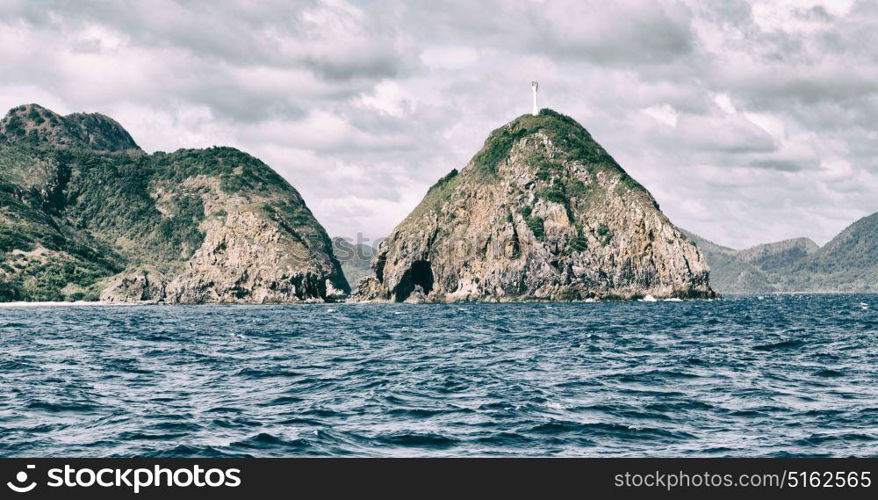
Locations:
(768, 376)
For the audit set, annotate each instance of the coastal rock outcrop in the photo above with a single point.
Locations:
(541, 212)
(85, 214)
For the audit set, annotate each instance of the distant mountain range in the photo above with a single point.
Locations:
(848, 263)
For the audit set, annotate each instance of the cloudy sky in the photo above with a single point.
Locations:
(749, 121)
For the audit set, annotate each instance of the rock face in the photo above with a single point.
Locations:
(848, 263)
(542, 212)
(85, 214)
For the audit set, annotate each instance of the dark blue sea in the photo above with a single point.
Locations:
(772, 376)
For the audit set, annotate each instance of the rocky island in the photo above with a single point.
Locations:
(541, 212)
(85, 214)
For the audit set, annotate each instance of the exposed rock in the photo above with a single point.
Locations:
(137, 286)
(542, 212)
(194, 226)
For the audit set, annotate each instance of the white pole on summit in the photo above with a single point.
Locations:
(535, 86)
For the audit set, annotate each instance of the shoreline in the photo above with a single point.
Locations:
(78, 303)
(81, 303)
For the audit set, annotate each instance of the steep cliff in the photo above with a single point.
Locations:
(85, 214)
(541, 212)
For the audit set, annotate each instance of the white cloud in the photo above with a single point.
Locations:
(797, 16)
(771, 124)
(664, 113)
(389, 98)
(449, 57)
(725, 103)
(749, 121)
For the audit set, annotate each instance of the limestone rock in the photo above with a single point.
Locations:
(542, 212)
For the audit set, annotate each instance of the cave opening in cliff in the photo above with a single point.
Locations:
(420, 274)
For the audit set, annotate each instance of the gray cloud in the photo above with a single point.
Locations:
(748, 120)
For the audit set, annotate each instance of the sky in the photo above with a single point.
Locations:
(748, 121)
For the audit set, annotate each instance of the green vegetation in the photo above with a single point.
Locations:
(605, 234)
(439, 193)
(566, 134)
(496, 149)
(444, 180)
(579, 242)
(577, 188)
(565, 194)
(181, 229)
(560, 190)
(238, 171)
(575, 144)
(52, 280)
(12, 239)
(70, 216)
(554, 183)
(534, 223)
(628, 182)
(15, 126)
(556, 194)
(562, 129)
(27, 125)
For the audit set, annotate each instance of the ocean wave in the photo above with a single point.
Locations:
(784, 376)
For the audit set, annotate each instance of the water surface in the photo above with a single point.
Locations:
(774, 376)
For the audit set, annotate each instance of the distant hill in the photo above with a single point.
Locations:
(354, 258)
(848, 263)
(728, 273)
